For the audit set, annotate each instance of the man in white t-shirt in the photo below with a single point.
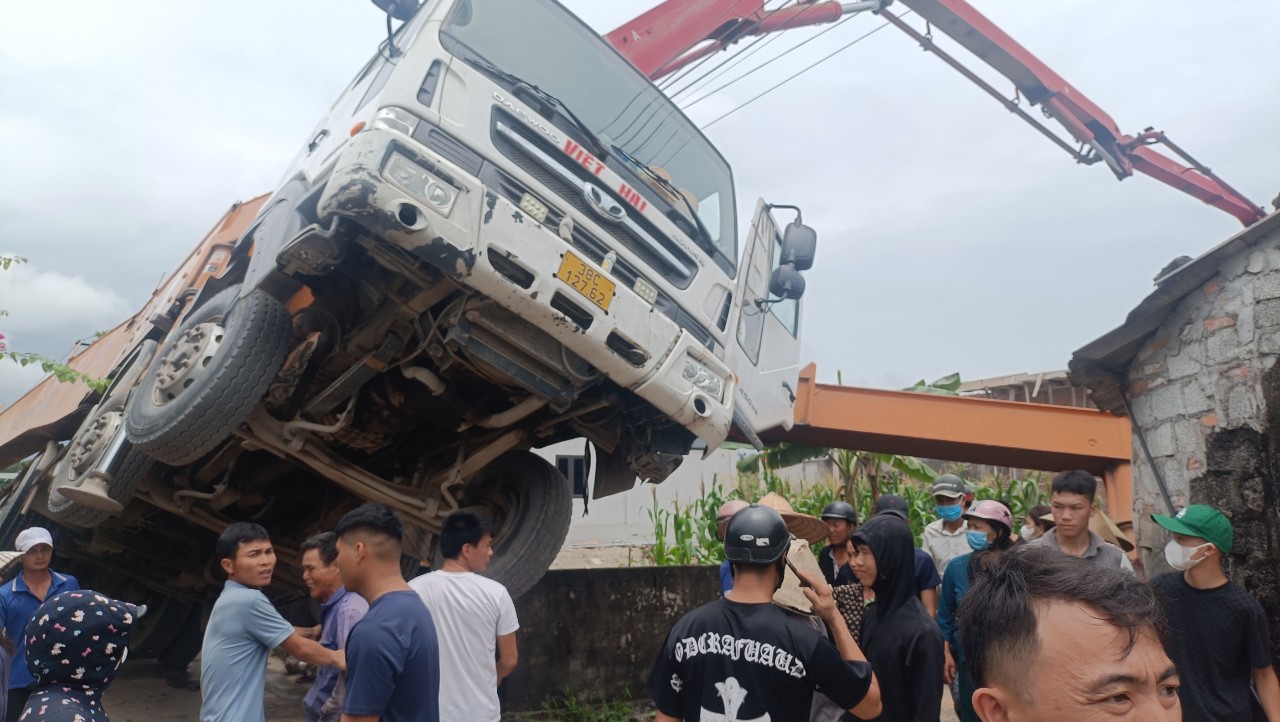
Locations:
(474, 618)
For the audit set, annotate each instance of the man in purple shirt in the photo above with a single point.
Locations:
(339, 612)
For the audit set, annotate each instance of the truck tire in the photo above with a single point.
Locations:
(186, 645)
(124, 482)
(162, 625)
(209, 375)
(530, 504)
(86, 449)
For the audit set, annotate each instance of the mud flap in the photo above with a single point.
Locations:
(613, 474)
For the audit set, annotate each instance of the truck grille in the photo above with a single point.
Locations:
(552, 180)
(594, 249)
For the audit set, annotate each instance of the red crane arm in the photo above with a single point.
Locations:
(678, 32)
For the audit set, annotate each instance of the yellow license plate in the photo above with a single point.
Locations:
(592, 284)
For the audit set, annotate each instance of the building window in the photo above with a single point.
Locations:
(574, 469)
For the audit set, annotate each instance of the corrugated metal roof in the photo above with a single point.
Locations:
(48, 411)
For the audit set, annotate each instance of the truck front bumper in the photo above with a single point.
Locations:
(483, 241)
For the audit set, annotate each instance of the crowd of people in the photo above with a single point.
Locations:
(433, 648)
(1044, 620)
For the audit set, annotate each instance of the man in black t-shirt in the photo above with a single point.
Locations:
(742, 658)
(1218, 632)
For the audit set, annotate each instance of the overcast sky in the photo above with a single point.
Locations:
(951, 236)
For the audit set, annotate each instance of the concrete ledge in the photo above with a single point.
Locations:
(598, 631)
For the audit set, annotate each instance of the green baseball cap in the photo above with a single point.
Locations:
(1201, 521)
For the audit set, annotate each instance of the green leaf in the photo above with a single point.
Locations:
(948, 385)
(782, 456)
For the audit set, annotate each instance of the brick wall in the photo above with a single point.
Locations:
(1206, 394)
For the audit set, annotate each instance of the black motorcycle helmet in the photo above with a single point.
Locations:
(756, 535)
(840, 510)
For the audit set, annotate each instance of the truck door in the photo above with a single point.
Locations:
(766, 351)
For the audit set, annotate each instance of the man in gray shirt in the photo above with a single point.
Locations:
(243, 628)
(1072, 495)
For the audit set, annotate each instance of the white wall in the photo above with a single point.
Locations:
(624, 518)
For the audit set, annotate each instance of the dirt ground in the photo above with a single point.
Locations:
(144, 692)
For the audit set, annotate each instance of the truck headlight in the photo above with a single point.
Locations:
(397, 119)
(704, 380)
(420, 182)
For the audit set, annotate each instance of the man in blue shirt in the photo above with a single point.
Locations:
(339, 612)
(393, 656)
(723, 515)
(19, 600)
(243, 628)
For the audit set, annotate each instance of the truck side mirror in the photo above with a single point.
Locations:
(799, 242)
(786, 282)
(400, 10)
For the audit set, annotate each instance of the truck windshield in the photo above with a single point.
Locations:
(548, 47)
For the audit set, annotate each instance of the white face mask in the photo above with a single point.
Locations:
(1179, 557)
(1029, 532)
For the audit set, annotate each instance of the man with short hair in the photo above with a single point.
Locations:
(943, 538)
(339, 612)
(833, 560)
(19, 600)
(1071, 499)
(1050, 637)
(393, 656)
(1217, 631)
(923, 571)
(742, 657)
(243, 628)
(475, 619)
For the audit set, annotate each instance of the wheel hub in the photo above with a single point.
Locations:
(87, 448)
(187, 361)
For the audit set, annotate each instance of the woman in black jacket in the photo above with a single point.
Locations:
(900, 639)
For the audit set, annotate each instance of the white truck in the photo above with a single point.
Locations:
(501, 236)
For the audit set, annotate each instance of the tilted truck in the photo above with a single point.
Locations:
(501, 236)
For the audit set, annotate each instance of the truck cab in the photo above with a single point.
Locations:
(500, 236)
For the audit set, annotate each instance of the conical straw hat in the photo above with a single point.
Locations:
(810, 528)
(790, 595)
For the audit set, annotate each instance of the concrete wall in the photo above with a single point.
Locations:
(598, 631)
(1206, 394)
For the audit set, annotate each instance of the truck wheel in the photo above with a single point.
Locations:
(210, 374)
(530, 503)
(85, 451)
(124, 482)
(162, 625)
(186, 645)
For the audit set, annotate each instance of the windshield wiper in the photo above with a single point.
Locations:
(559, 105)
(669, 187)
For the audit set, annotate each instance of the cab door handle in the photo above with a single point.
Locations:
(315, 142)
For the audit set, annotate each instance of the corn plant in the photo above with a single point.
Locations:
(686, 533)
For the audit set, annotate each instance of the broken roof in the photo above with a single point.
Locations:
(1100, 365)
